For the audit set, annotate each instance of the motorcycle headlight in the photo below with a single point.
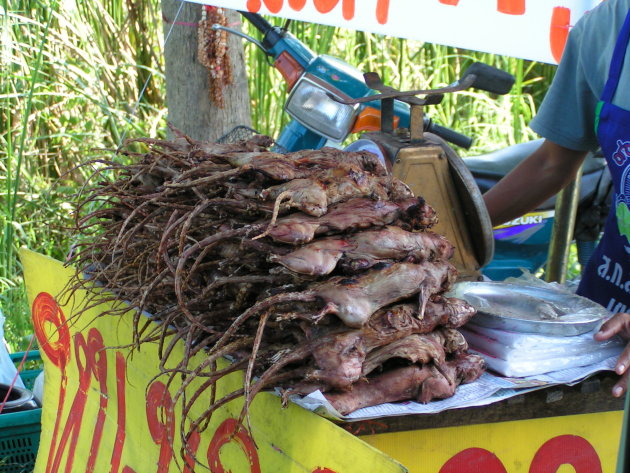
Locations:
(311, 105)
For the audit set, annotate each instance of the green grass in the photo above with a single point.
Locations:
(70, 81)
(70, 75)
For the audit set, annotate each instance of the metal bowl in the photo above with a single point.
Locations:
(530, 309)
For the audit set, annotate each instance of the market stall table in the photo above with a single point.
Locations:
(103, 406)
(537, 432)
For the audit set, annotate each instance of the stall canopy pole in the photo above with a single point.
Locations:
(622, 464)
(562, 235)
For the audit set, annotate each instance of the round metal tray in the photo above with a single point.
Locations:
(530, 309)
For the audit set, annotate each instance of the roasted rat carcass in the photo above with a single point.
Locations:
(309, 270)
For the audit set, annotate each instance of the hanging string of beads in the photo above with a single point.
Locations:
(212, 52)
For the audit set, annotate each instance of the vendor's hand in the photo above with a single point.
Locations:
(619, 324)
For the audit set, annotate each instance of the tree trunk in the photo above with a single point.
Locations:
(190, 108)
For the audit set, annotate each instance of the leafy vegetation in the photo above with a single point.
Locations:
(72, 86)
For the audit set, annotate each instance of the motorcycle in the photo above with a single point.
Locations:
(317, 86)
(329, 100)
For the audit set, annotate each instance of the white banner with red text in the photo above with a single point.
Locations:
(528, 29)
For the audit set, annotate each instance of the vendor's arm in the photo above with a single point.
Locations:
(540, 176)
(619, 324)
(566, 119)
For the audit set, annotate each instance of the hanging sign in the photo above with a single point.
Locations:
(528, 29)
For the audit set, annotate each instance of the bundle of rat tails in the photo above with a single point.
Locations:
(310, 270)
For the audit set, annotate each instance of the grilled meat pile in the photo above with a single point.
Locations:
(310, 270)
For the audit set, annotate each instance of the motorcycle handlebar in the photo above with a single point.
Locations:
(449, 135)
(258, 21)
(490, 78)
(270, 34)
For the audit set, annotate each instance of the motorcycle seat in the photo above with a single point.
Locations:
(498, 163)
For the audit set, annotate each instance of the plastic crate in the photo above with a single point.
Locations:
(32, 366)
(20, 431)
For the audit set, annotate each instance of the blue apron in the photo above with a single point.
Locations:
(607, 276)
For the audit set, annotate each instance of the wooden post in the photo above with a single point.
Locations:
(187, 83)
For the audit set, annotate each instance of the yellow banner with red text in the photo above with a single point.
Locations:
(585, 443)
(106, 410)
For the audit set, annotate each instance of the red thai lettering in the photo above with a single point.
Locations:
(192, 445)
(347, 9)
(231, 431)
(121, 424)
(323, 470)
(274, 6)
(473, 460)
(325, 6)
(511, 7)
(98, 360)
(161, 420)
(48, 315)
(566, 450)
(297, 5)
(88, 351)
(322, 6)
(382, 11)
(559, 31)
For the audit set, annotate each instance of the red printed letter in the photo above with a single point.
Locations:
(70, 435)
(158, 398)
(449, 2)
(382, 11)
(98, 360)
(119, 442)
(560, 21)
(231, 431)
(192, 445)
(566, 450)
(253, 6)
(511, 7)
(473, 460)
(48, 315)
(297, 5)
(274, 6)
(348, 9)
(325, 6)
